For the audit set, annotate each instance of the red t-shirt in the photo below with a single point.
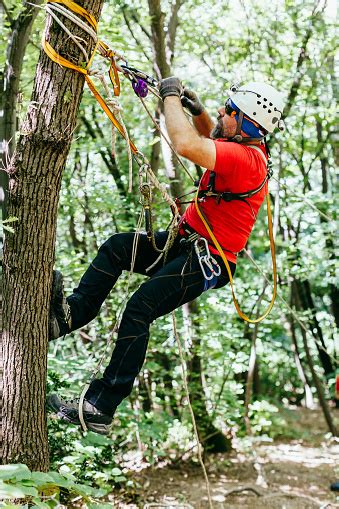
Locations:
(238, 168)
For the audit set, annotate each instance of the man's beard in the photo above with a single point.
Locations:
(218, 130)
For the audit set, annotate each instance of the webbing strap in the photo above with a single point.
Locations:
(78, 10)
(105, 51)
(222, 254)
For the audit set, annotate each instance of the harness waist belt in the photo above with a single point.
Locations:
(190, 235)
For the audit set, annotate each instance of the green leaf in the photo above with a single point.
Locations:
(16, 472)
(61, 480)
(83, 489)
(39, 503)
(9, 229)
(95, 439)
(16, 491)
(41, 478)
(30, 491)
(9, 491)
(116, 471)
(10, 219)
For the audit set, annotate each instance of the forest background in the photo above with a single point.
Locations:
(240, 376)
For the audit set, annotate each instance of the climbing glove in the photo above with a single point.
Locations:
(191, 101)
(170, 86)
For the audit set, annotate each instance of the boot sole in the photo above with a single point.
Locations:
(101, 429)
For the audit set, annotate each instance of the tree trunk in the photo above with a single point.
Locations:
(212, 438)
(35, 178)
(309, 401)
(306, 299)
(163, 54)
(21, 29)
(317, 383)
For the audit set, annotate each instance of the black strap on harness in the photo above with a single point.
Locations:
(228, 196)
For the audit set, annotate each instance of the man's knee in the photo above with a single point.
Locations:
(118, 247)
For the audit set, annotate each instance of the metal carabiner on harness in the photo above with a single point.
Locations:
(206, 260)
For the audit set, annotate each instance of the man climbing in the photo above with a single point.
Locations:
(230, 195)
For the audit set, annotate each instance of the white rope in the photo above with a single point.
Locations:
(72, 17)
(73, 37)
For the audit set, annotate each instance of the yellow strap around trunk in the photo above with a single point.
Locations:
(77, 9)
(113, 73)
(222, 254)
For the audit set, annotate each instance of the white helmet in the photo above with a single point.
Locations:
(260, 102)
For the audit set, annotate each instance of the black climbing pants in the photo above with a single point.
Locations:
(170, 285)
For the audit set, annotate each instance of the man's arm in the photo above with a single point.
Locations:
(186, 140)
(203, 124)
(201, 119)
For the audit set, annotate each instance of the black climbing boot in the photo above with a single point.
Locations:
(60, 312)
(68, 410)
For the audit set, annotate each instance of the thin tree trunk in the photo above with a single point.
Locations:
(309, 401)
(212, 438)
(21, 30)
(163, 55)
(317, 383)
(252, 364)
(35, 178)
(306, 299)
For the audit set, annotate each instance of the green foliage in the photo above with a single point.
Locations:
(44, 490)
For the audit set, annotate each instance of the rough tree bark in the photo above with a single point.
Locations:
(34, 183)
(21, 28)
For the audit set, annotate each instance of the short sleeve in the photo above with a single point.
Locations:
(229, 157)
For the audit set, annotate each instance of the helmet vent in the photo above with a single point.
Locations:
(254, 112)
(258, 102)
(264, 106)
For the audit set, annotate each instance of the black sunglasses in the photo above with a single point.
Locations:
(229, 110)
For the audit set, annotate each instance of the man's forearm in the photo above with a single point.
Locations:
(203, 124)
(180, 131)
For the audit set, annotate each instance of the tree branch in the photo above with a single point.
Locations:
(172, 26)
(7, 12)
(128, 24)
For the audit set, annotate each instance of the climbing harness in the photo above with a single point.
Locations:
(228, 196)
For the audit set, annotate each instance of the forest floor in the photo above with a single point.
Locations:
(281, 474)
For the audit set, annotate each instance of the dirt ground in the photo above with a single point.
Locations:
(284, 474)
